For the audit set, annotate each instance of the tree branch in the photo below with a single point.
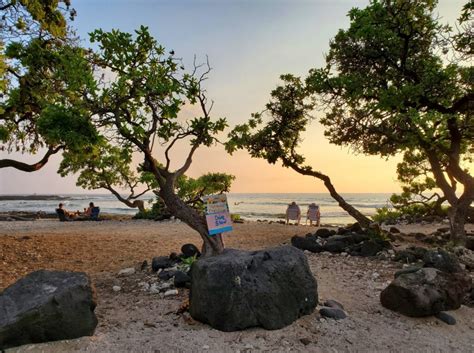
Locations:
(6, 163)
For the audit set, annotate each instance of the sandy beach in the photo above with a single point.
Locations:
(133, 320)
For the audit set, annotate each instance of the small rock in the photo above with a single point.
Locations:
(154, 288)
(305, 341)
(116, 288)
(394, 230)
(375, 275)
(171, 292)
(333, 304)
(127, 271)
(333, 313)
(190, 250)
(445, 317)
(181, 280)
(205, 346)
(144, 265)
(161, 262)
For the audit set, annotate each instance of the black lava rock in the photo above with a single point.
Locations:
(442, 260)
(323, 233)
(161, 262)
(445, 317)
(166, 274)
(190, 250)
(411, 254)
(47, 306)
(426, 292)
(333, 313)
(333, 304)
(355, 228)
(335, 246)
(239, 289)
(307, 243)
(182, 280)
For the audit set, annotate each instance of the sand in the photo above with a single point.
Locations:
(133, 320)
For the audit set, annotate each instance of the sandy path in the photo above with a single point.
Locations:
(94, 247)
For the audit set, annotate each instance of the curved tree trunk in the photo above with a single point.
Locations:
(356, 214)
(24, 167)
(132, 204)
(212, 245)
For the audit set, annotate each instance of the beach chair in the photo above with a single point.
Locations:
(62, 216)
(95, 213)
(313, 214)
(293, 213)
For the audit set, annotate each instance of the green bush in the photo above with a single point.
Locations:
(386, 214)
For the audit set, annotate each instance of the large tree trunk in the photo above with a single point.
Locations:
(457, 219)
(212, 245)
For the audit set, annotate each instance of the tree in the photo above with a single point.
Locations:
(42, 76)
(103, 166)
(391, 86)
(139, 106)
(418, 186)
(279, 139)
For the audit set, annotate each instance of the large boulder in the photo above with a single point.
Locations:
(426, 292)
(306, 243)
(239, 289)
(47, 306)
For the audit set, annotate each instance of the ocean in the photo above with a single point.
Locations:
(270, 207)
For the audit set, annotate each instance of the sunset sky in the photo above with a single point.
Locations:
(249, 44)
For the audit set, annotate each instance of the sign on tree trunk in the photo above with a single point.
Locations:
(217, 214)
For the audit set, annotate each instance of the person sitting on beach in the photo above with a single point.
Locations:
(313, 214)
(88, 211)
(293, 212)
(65, 214)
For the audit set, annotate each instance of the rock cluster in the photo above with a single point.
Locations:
(352, 240)
(439, 283)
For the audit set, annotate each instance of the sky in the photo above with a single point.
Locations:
(249, 43)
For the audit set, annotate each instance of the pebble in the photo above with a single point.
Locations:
(127, 271)
(445, 317)
(205, 346)
(333, 304)
(375, 275)
(116, 288)
(154, 288)
(171, 292)
(305, 341)
(333, 313)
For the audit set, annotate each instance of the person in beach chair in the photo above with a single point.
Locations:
(92, 212)
(293, 213)
(313, 214)
(64, 215)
